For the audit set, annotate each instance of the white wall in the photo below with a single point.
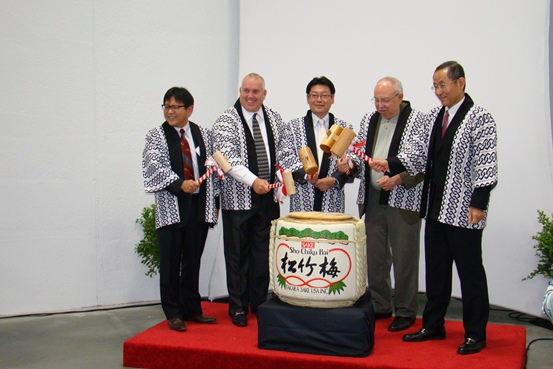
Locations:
(83, 80)
(503, 46)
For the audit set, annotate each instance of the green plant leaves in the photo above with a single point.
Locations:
(148, 247)
(544, 248)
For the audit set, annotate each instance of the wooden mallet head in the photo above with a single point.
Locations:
(308, 160)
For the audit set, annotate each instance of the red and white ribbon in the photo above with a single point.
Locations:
(212, 167)
(354, 148)
(281, 188)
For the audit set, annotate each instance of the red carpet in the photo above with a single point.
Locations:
(223, 345)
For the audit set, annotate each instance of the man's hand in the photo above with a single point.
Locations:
(379, 165)
(343, 165)
(324, 184)
(189, 186)
(260, 186)
(313, 179)
(475, 215)
(388, 183)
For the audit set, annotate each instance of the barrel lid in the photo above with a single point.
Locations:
(318, 215)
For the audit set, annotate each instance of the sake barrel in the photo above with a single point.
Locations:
(318, 259)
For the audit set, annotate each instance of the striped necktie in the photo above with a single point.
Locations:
(263, 171)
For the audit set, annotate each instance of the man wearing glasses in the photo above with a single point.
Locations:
(324, 191)
(172, 161)
(391, 206)
(458, 152)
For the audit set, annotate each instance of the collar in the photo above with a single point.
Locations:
(316, 119)
(248, 115)
(453, 110)
(186, 128)
(393, 120)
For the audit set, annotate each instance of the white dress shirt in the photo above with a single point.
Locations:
(240, 172)
(194, 151)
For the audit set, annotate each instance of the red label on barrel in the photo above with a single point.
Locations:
(307, 245)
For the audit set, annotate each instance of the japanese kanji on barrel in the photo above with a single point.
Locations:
(318, 259)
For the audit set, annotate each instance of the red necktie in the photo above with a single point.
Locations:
(186, 157)
(446, 122)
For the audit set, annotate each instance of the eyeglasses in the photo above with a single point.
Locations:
(441, 86)
(383, 101)
(174, 108)
(322, 96)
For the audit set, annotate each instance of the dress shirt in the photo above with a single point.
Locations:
(316, 126)
(240, 172)
(319, 136)
(453, 110)
(382, 145)
(194, 151)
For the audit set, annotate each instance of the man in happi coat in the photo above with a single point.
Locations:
(254, 138)
(173, 160)
(391, 206)
(323, 191)
(458, 152)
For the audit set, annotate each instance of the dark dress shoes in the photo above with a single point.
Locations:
(471, 346)
(176, 324)
(400, 323)
(202, 319)
(239, 319)
(425, 335)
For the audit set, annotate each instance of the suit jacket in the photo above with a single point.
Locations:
(163, 174)
(232, 137)
(404, 196)
(307, 197)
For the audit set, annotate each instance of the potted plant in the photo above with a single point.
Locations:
(544, 250)
(148, 247)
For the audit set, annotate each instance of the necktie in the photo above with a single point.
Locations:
(186, 157)
(446, 122)
(320, 137)
(263, 171)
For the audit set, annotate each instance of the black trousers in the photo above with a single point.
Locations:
(445, 244)
(180, 252)
(246, 243)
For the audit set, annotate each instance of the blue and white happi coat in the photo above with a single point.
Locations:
(158, 175)
(400, 197)
(472, 162)
(229, 139)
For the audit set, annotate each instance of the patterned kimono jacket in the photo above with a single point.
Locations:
(470, 145)
(229, 137)
(333, 199)
(403, 196)
(158, 175)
